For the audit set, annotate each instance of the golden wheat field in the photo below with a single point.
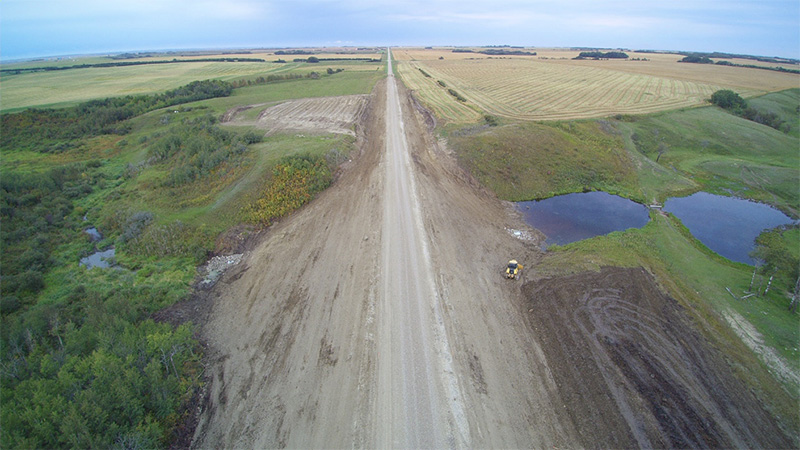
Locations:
(552, 86)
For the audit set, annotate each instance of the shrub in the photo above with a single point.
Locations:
(727, 99)
(294, 183)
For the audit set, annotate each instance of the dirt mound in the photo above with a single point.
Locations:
(632, 371)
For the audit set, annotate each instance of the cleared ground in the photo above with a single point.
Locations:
(551, 85)
(315, 115)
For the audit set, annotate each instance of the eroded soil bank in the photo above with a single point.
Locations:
(632, 371)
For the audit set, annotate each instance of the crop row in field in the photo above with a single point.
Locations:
(553, 86)
(435, 96)
(533, 90)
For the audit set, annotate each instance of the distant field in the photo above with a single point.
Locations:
(65, 87)
(551, 86)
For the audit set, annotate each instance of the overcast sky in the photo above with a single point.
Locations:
(33, 28)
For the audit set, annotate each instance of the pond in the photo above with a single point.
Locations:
(726, 225)
(574, 217)
(98, 259)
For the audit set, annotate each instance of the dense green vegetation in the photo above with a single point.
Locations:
(83, 363)
(727, 99)
(295, 181)
(705, 58)
(57, 129)
(601, 55)
(528, 161)
(495, 52)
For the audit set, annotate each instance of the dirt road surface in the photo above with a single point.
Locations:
(377, 316)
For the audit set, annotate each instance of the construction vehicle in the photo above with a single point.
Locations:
(513, 270)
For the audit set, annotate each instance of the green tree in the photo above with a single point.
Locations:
(727, 99)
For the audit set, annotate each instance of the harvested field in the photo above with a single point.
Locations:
(314, 115)
(552, 86)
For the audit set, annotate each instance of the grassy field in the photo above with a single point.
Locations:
(701, 148)
(69, 87)
(552, 86)
(723, 153)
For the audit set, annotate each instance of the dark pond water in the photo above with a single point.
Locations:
(726, 225)
(98, 259)
(574, 217)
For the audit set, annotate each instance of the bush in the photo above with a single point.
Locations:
(727, 99)
(294, 183)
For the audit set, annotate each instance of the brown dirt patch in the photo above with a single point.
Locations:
(310, 115)
(632, 370)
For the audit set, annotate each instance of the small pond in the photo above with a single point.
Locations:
(98, 259)
(726, 225)
(574, 217)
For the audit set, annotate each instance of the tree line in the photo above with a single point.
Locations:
(731, 101)
(17, 71)
(601, 55)
(55, 128)
(705, 59)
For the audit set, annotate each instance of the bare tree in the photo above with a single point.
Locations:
(662, 148)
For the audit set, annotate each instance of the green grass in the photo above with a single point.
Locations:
(70, 87)
(709, 149)
(344, 83)
(785, 104)
(528, 161)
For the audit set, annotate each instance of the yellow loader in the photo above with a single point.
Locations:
(513, 270)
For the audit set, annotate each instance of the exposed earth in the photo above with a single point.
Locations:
(378, 316)
(309, 115)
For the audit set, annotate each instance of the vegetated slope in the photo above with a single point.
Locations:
(724, 153)
(527, 161)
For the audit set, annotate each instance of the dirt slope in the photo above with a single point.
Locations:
(614, 339)
(377, 316)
